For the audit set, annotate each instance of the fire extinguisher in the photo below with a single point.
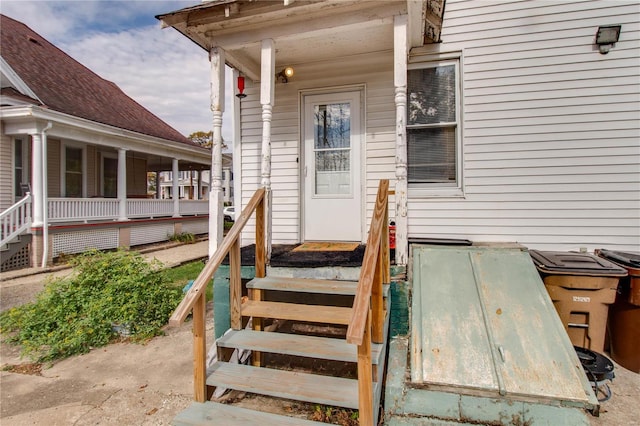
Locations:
(392, 235)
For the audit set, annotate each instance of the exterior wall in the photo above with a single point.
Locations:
(551, 133)
(375, 73)
(6, 170)
(136, 177)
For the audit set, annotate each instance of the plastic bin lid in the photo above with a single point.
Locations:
(571, 263)
(626, 258)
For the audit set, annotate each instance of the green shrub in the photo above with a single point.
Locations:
(185, 237)
(79, 312)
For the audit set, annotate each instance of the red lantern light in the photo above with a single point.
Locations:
(241, 87)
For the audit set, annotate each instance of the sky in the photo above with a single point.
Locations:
(122, 41)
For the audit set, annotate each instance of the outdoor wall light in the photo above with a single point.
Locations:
(607, 36)
(285, 74)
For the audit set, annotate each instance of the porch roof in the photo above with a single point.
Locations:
(303, 31)
(54, 80)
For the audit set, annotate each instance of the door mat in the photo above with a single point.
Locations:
(326, 246)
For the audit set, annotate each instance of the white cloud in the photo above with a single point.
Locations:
(160, 69)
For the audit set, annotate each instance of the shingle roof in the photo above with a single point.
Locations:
(65, 85)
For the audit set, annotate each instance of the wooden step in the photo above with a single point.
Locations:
(297, 345)
(210, 413)
(297, 312)
(334, 391)
(308, 285)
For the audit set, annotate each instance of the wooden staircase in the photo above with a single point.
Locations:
(362, 322)
(293, 385)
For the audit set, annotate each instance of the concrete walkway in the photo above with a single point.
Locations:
(21, 286)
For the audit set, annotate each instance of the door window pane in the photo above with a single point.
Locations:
(332, 149)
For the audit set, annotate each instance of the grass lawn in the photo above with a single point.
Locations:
(182, 274)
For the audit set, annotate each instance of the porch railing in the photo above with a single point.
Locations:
(82, 209)
(15, 220)
(195, 298)
(367, 316)
(91, 209)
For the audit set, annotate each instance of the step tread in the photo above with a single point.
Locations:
(308, 285)
(334, 391)
(299, 312)
(208, 413)
(296, 344)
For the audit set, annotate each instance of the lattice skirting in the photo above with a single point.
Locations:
(151, 234)
(196, 227)
(21, 259)
(80, 241)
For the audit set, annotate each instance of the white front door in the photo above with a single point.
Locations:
(331, 173)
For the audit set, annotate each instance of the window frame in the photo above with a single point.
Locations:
(428, 190)
(23, 167)
(63, 168)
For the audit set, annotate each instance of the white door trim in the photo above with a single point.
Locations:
(359, 154)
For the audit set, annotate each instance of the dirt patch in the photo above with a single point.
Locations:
(33, 369)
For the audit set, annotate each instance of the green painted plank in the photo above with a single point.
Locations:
(449, 339)
(535, 356)
(335, 391)
(295, 344)
(212, 413)
(308, 285)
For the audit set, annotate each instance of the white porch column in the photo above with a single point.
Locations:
(122, 184)
(400, 57)
(175, 187)
(267, 94)
(216, 219)
(37, 180)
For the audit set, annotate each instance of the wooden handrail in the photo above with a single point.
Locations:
(200, 283)
(370, 267)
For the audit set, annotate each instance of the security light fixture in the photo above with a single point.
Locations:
(607, 36)
(285, 74)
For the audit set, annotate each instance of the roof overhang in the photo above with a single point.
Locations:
(26, 120)
(303, 31)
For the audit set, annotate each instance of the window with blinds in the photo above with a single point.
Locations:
(433, 126)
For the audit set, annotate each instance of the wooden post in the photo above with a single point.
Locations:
(267, 96)
(261, 271)
(199, 350)
(365, 374)
(235, 286)
(377, 304)
(386, 277)
(400, 57)
(216, 219)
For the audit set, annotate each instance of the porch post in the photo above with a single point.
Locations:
(400, 56)
(175, 189)
(216, 230)
(267, 93)
(199, 183)
(158, 192)
(122, 184)
(37, 180)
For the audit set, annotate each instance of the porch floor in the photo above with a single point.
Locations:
(283, 256)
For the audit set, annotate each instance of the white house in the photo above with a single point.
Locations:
(74, 155)
(496, 121)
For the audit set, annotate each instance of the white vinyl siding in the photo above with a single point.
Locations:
(6, 170)
(551, 127)
(375, 74)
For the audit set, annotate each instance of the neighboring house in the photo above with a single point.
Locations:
(194, 185)
(495, 121)
(74, 155)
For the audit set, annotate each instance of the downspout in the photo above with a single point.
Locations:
(45, 198)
